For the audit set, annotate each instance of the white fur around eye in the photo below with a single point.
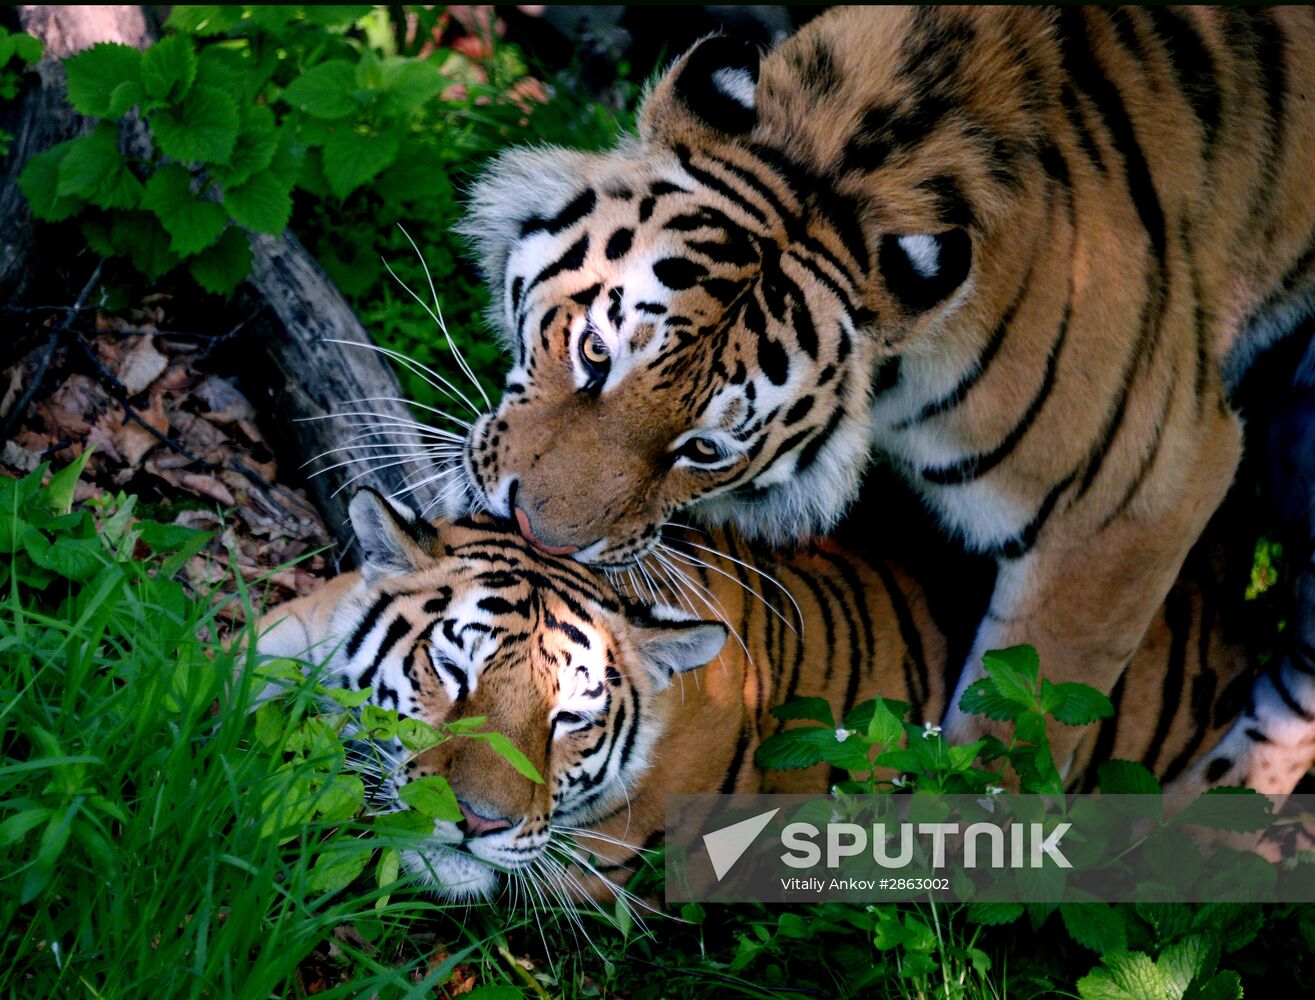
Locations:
(737, 84)
(924, 253)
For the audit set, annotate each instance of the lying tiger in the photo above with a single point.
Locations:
(467, 618)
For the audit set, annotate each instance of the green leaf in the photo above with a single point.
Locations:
(1220, 986)
(849, 754)
(204, 21)
(203, 129)
(325, 91)
(433, 796)
(1124, 976)
(18, 826)
(144, 240)
(225, 68)
(348, 697)
(191, 222)
(409, 85)
(93, 75)
(257, 142)
(337, 870)
(23, 47)
(262, 203)
(1191, 958)
(984, 698)
(1014, 671)
(169, 68)
(1075, 704)
(93, 169)
(352, 158)
(59, 491)
(994, 914)
(1126, 777)
(1095, 925)
(39, 183)
(369, 71)
(165, 538)
(792, 749)
(814, 709)
(124, 98)
(221, 268)
(884, 728)
(1235, 809)
(509, 752)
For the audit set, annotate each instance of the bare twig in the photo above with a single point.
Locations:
(52, 342)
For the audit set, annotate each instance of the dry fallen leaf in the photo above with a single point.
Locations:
(216, 456)
(224, 404)
(141, 365)
(208, 486)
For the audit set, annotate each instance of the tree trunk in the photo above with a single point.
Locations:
(299, 310)
(315, 378)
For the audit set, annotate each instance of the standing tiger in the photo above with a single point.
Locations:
(467, 618)
(1021, 252)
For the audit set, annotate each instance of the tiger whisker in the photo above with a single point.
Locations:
(606, 838)
(696, 561)
(436, 314)
(362, 475)
(404, 455)
(410, 402)
(391, 439)
(572, 882)
(380, 419)
(752, 569)
(417, 368)
(391, 449)
(621, 891)
(708, 599)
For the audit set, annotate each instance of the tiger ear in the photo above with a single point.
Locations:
(711, 88)
(670, 643)
(394, 539)
(922, 270)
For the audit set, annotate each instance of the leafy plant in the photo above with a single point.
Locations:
(875, 738)
(17, 52)
(159, 833)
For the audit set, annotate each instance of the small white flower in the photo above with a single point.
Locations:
(898, 781)
(843, 734)
(994, 789)
(928, 730)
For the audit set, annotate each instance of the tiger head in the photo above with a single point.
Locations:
(466, 619)
(694, 324)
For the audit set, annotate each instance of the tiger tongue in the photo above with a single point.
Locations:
(523, 522)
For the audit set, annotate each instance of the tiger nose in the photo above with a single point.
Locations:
(527, 532)
(475, 825)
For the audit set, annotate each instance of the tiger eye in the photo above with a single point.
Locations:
(701, 449)
(594, 350)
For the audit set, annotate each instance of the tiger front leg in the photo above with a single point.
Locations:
(1086, 592)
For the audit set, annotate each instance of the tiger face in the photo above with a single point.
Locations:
(469, 620)
(692, 325)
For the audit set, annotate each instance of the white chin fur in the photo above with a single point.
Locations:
(451, 874)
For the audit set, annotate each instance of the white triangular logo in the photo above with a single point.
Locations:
(727, 845)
